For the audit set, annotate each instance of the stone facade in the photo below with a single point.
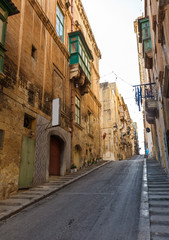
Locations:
(116, 124)
(36, 69)
(154, 69)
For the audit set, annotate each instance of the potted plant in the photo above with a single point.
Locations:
(73, 168)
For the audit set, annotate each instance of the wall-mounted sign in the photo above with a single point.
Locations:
(56, 112)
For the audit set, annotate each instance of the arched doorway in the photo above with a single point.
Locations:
(56, 147)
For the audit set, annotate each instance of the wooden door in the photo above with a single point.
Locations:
(27, 162)
(55, 155)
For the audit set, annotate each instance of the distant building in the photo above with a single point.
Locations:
(115, 124)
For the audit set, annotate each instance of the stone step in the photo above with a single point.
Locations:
(151, 194)
(158, 182)
(159, 197)
(159, 211)
(158, 230)
(159, 190)
(151, 186)
(165, 180)
(161, 204)
(159, 219)
(159, 238)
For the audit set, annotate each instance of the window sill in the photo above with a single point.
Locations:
(78, 126)
(90, 135)
(2, 75)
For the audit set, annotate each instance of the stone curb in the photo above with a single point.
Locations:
(49, 192)
(144, 221)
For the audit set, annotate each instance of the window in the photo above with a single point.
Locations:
(74, 47)
(1, 29)
(60, 24)
(1, 138)
(77, 110)
(29, 121)
(89, 122)
(7, 8)
(3, 20)
(31, 97)
(34, 52)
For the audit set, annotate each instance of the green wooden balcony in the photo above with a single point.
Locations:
(80, 52)
(145, 39)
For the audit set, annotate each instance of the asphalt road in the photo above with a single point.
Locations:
(103, 205)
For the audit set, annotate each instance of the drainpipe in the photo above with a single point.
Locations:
(72, 16)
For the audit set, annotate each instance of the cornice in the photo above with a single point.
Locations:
(87, 26)
(49, 27)
(95, 70)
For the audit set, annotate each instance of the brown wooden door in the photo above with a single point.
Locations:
(55, 154)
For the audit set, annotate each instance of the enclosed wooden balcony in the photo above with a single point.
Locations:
(80, 59)
(145, 39)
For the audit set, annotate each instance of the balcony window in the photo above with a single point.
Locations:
(74, 47)
(1, 30)
(80, 52)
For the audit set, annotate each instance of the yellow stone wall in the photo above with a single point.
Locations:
(115, 119)
(31, 84)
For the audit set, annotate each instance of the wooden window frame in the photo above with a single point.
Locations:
(77, 110)
(89, 122)
(60, 23)
(2, 139)
(3, 18)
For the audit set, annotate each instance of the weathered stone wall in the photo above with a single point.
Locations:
(12, 123)
(115, 122)
(42, 153)
(33, 81)
(27, 88)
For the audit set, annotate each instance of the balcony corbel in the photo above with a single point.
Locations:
(79, 78)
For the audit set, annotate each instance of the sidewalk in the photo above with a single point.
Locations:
(25, 198)
(158, 197)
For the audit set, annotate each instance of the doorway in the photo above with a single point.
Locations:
(27, 163)
(55, 156)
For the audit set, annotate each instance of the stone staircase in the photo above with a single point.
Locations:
(158, 195)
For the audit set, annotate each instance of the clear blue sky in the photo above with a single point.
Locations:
(113, 26)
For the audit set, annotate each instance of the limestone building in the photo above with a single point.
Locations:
(116, 123)
(49, 93)
(153, 49)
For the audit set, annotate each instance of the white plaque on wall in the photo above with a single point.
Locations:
(56, 112)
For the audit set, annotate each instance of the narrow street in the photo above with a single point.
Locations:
(104, 205)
